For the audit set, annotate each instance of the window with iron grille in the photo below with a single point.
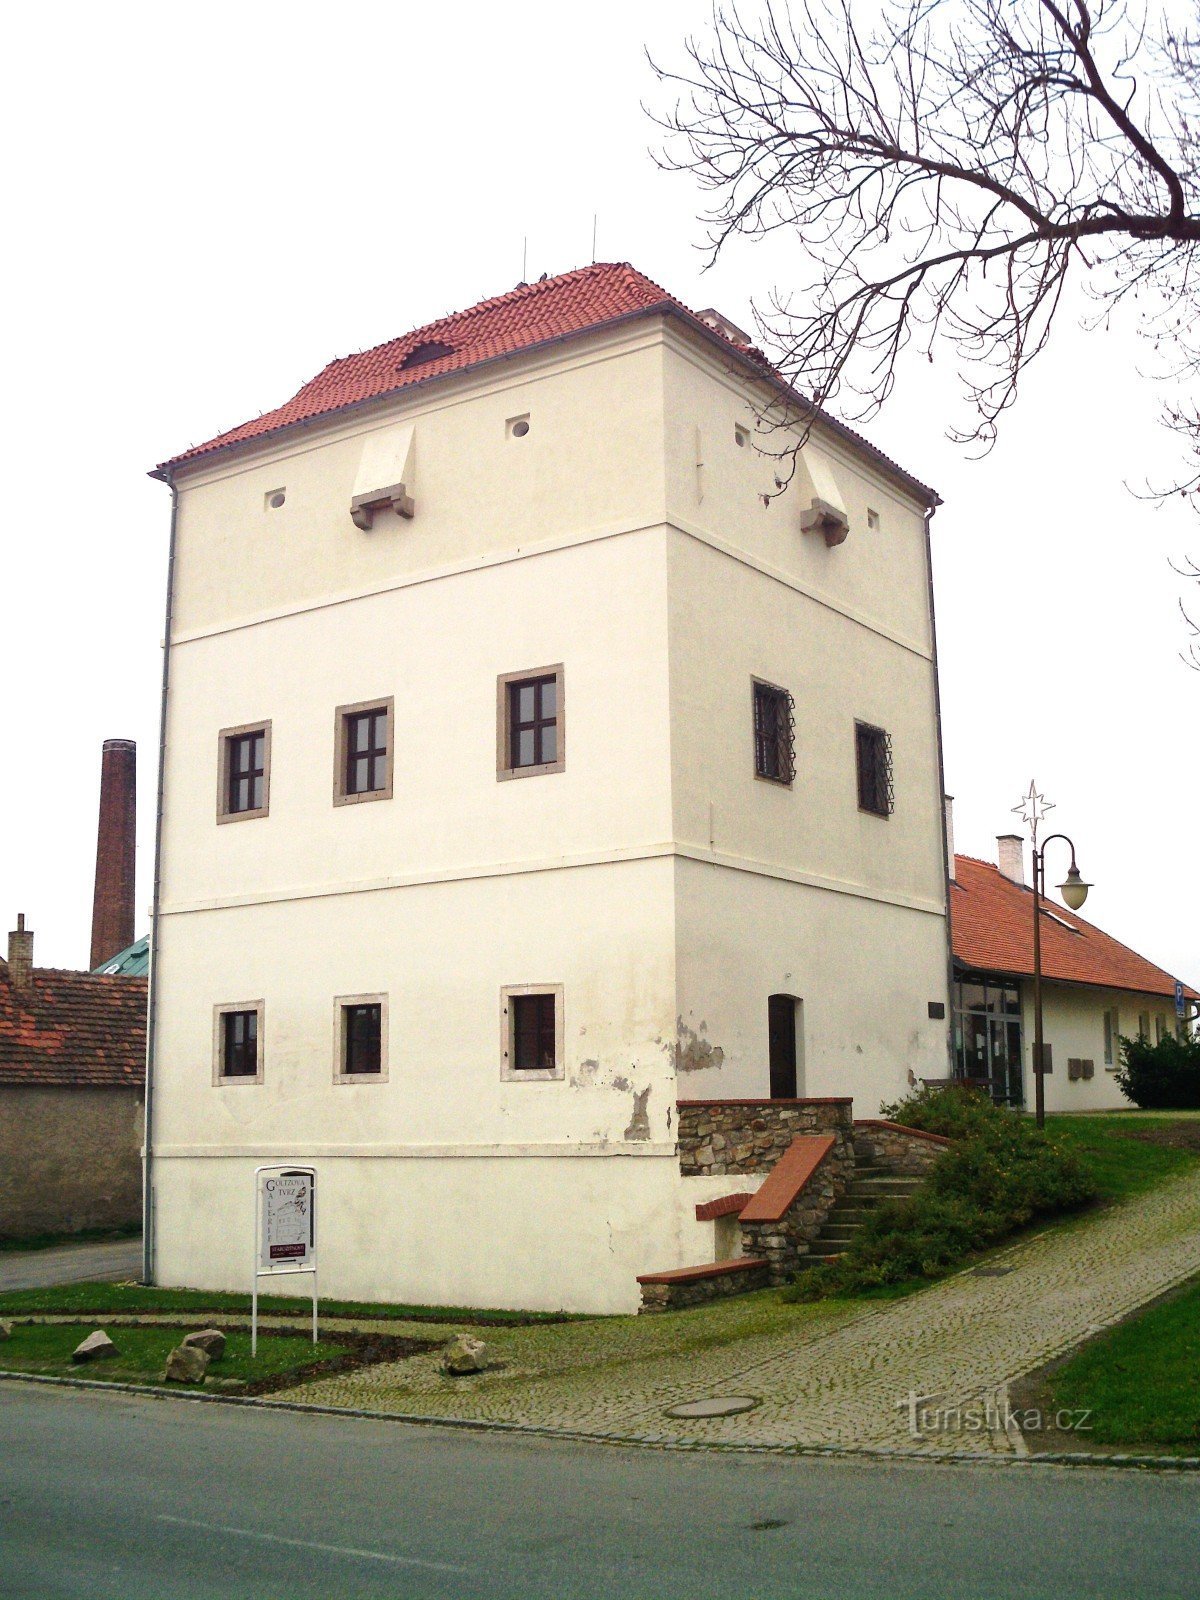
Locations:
(532, 1032)
(362, 1038)
(239, 1044)
(245, 771)
(774, 733)
(530, 712)
(363, 756)
(873, 747)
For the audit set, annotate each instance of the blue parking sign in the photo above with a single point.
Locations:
(1178, 998)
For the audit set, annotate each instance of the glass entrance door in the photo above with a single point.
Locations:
(987, 1038)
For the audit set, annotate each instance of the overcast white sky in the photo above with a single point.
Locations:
(205, 204)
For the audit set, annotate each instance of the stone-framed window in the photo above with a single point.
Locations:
(364, 748)
(532, 1033)
(774, 733)
(238, 1042)
(244, 772)
(360, 1023)
(530, 723)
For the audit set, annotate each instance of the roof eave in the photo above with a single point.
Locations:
(166, 471)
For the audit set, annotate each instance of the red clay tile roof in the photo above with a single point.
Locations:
(529, 315)
(992, 928)
(72, 1029)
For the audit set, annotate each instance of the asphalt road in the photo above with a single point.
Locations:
(114, 1497)
(113, 1259)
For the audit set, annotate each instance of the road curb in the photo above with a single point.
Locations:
(888, 1453)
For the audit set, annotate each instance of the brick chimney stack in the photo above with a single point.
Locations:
(112, 907)
(20, 954)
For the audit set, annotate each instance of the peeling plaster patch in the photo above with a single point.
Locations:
(590, 1076)
(622, 1083)
(587, 1074)
(639, 1125)
(693, 1052)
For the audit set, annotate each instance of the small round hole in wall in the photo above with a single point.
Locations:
(520, 428)
(741, 437)
(275, 499)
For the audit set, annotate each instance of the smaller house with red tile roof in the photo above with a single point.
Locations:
(72, 1083)
(1094, 989)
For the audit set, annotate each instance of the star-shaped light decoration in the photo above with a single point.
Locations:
(1033, 808)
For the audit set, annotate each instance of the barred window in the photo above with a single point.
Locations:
(774, 734)
(873, 747)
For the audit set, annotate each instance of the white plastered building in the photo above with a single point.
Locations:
(531, 765)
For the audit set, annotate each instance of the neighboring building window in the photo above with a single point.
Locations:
(238, 1042)
(873, 751)
(245, 772)
(361, 1024)
(1112, 1034)
(774, 733)
(532, 1032)
(530, 731)
(363, 752)
(987, 1036)
(1160, 1028)
(1144, 1026)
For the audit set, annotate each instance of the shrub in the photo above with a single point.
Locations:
(953, 1110)
(998, 1176)
(1163, 1076)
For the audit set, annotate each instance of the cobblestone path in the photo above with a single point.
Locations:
(822, 1375)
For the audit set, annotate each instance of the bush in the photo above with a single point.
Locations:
(954, 1110)
(1163, 1076)
(998, 1176)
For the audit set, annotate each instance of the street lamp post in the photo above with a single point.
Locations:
(1074, 892)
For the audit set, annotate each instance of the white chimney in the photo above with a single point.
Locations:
(1010, 848)
(948, 802)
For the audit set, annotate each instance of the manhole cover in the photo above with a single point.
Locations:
(728, 1405)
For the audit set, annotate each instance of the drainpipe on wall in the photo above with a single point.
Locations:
(152, 1002)
(947, 865)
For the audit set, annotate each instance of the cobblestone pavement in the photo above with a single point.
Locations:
(823, 1375)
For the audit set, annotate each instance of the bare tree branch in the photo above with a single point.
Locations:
(948, 175)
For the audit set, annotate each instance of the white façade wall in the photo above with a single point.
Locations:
(591, 463)
(865, 970)
(437, 649)
(1073, 1022)
(543, 1233)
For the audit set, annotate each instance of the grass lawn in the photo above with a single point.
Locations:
(1122, 1162)
(1138, 1379)
(95, 1299)
(142, 1353)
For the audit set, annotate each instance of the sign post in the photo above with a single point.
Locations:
(285, 1232)
(1179, 1000)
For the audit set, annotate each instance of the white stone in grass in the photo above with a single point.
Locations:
(186, 1364)
(464, 1355)
(94, 1347)
(210, 1340)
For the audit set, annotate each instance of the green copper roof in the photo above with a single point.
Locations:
(131, 963)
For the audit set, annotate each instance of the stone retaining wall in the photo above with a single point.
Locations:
(909, 1152)
(744, 1136)
(782, 1244)
(669, 1292)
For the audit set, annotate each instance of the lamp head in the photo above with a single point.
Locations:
(1074, 891)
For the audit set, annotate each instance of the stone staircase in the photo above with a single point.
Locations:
(873, 1182)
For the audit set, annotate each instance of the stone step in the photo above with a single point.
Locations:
(822, 1250)
(840, 1230)
(882, 1188)
(850, 1213)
